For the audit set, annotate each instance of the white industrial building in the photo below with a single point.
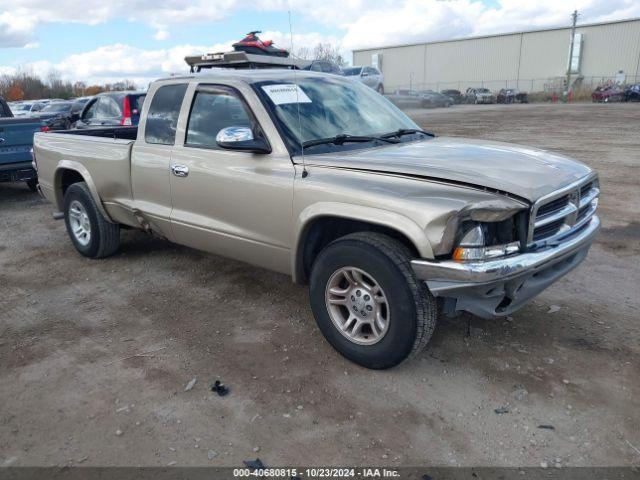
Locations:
(534, 60)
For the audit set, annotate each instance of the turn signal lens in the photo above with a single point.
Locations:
(465, 254)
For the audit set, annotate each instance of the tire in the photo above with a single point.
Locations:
(103, 237)
(32, 184)
(410, 309)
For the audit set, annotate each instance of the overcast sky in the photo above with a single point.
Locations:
(108, 40)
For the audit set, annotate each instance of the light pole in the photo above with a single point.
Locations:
(574, 20)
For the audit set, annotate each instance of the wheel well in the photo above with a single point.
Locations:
(325, 230)
(68, 178)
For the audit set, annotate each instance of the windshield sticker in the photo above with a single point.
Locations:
(285, 93)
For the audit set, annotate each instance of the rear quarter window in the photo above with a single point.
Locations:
(162, 118)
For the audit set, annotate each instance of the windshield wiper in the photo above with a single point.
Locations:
(407, 131)
(341, 139)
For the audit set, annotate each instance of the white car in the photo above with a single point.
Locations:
(370, 76)
(25, 109)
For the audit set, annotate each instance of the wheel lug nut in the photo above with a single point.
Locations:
(369, 307)
(353, 299)
(358, 293)
(364, 314)
(367, 298)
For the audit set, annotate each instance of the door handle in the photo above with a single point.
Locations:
(180, 170)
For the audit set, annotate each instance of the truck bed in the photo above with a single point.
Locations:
(120, 133)
(102, 154)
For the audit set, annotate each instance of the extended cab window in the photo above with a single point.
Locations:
(210, 113)
(162, 118)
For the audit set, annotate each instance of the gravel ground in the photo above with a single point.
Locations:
(95, 355)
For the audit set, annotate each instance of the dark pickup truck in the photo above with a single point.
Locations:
(16, 142)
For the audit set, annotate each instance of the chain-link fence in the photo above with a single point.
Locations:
(579, 85)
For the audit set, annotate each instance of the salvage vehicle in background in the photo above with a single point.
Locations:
(511, 95)
(432, 99)
(455, 96)
(606, 94)
(111, 109)
(16, 140)
(404, 98)
(56, 116)
(479, 95)
(632, 93)
(370, 76)
(323, 179)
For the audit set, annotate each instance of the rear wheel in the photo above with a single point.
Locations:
(90, 232)
(367, 301)
(380, 89)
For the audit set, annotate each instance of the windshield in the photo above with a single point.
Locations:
(22, 107)
(57, 107)
(351, 71)
(330, 106)
(483, 90)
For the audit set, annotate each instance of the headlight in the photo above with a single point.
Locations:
(484, 241)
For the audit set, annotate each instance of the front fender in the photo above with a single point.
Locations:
(82, 170)
(360, 213)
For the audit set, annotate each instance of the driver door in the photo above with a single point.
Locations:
(235, 204)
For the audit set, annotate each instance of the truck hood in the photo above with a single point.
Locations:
(526, 172)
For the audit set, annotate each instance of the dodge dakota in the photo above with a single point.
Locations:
(325, 180)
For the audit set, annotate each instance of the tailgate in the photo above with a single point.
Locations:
(16, 139)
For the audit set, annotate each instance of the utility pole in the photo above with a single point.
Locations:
(574, 20)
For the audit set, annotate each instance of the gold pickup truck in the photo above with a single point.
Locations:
(323, 179)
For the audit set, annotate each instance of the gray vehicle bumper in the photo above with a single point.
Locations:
(500, 287)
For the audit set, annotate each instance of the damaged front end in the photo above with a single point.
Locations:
(486, 265)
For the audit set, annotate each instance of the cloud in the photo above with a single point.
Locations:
(119, 61)
(355, 23)
(362, 22)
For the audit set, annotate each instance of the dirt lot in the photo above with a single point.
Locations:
(95, 355)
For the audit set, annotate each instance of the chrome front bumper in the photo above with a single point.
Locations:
(499, 287)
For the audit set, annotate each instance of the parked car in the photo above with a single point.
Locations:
(610, 93)
(632, 93)
(24, 109)
(56, 115)
(370, 76)
(16, 140)
(455, 96)
(111, 109)
(78, 107)
(379, 217)
(434, 99)
(325, 66)
(479, 95)
(511, 95)
(404, 98)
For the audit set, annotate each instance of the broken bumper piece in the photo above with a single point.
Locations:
(500, 287)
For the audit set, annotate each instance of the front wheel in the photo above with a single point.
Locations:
(367, 301)
(90, 232)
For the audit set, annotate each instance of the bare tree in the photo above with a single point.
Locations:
(326, 51)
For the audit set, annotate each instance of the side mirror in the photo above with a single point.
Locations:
(241, 139)
(364, 74)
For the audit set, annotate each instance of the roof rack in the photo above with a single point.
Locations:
(243, 60)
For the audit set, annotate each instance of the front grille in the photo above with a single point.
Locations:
(548, 230)
(561, 213)
(553, 206)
